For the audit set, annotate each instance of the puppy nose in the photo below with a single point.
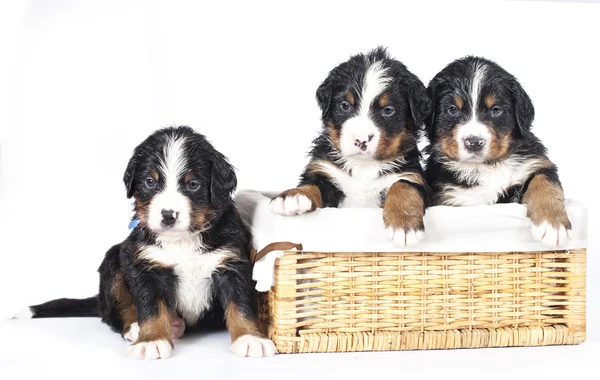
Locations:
(169, 217)
(474, 143)
(362, 141)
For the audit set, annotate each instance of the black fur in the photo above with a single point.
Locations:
(149, 283)
(67, 307)
(515, 120)
(408, 97)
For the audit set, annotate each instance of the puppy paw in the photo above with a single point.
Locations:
(403, 238)
(403, 229)
(549, 235)
(291, 205)
(550, 223)
(177, 327)
(253, 346)
(133, 333)
(158, 349)
(403, 212)
(297, 201)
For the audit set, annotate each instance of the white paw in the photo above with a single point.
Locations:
(401, 238)
(291, 205)
(549, 236)
(133, 333)
(158, 349)
(253, 346)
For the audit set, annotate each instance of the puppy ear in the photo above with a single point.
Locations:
(524, 111)
(324, 96)
(432, 89)
(223, 181)
(130, 174)
(419, 102)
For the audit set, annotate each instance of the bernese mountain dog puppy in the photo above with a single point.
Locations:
(482, 150)
(366, 154)
(186, 264)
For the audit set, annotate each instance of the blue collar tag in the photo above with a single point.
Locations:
(133, 224)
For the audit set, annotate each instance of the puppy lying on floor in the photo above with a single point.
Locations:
(483, 151)
(366, 155)
(187, 261)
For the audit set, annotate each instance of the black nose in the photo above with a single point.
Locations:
(361, 144)
(474, 143)
(168, 217)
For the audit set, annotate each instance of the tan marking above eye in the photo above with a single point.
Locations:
(188, 177)
(384, 100)
(154, 174)
(458, 101)
(490, 100)
(350, 98)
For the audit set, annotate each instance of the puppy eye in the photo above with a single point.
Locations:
(193, 185)
(388, 111)
(496, 111)
(453, 110)
(150, 182)
(345, 107)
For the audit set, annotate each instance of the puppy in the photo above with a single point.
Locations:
(366, 154)
(482, 150)
(187, 261)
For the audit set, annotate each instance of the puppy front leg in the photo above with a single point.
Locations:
(236, 293)
(316, 190)
(403, 212)
(544, 198)
(153, 289)
(296, 201)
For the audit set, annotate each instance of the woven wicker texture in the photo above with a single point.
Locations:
(338, 302)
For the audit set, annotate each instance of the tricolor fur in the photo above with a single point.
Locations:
(187, 262)
(372, 109)
(482, 150)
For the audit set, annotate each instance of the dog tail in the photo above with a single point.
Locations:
(62, 308)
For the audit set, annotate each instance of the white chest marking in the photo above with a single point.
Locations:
(364, 187)
(492, 181)
(193, 268)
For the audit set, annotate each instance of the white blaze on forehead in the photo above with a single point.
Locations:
(473, 128)
(172, 168)
(173, 164)
(361, 127)
(374, 84)
(478, 77)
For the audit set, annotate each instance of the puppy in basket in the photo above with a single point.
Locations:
(482, 150)
(366, 154)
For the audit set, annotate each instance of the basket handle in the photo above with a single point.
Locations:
(279, 246)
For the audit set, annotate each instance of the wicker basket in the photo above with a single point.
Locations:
(346, 302)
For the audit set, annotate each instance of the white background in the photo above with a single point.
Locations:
(82, 83)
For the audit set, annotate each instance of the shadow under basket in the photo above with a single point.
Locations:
(348, 302)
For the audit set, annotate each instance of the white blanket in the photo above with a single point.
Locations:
(496, 228)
